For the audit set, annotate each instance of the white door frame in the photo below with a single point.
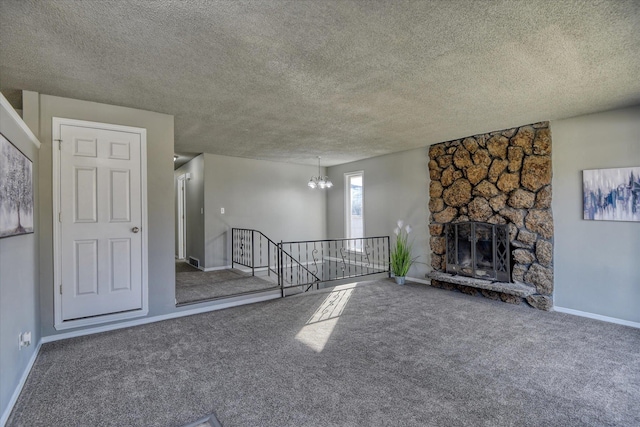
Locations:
(59, 324)
(182, 217)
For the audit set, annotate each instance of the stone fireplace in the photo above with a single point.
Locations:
(504, 179)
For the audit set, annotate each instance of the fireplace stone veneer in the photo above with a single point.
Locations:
(502, 177)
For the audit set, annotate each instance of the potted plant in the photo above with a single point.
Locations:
(401, 259)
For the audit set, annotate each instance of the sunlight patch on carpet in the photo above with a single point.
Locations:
(316, 333)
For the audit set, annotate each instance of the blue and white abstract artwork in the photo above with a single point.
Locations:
(612, 194)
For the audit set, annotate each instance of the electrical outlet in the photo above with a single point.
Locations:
(24, 339)
(221, 211)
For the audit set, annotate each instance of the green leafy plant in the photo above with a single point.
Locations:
(401, 259)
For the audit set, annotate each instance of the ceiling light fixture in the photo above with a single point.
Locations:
(320, 181)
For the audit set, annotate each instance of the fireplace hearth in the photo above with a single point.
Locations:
(478, 249)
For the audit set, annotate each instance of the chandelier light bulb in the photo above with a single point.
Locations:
(319, 181)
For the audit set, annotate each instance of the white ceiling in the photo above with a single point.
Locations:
(288, 81)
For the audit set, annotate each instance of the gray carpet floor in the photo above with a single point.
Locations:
(193, 285)
(379, 354)
(185, 267)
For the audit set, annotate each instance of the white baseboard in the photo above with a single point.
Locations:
(217, 305)
(597, 316)
(257, 269)
(415, 279)
(224, 267)
(18, 390)
(381, 267)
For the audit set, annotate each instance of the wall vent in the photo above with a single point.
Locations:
(194, 261)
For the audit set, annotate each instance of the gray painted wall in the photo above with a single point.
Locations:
(596, 262)
(19, 302)
(195, 202)
(396, 186)
(268, 196)
(159, 186)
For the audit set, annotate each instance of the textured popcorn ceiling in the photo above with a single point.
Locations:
(288, 81)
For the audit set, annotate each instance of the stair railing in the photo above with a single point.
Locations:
(305, 264)
(293, 274)
(339, 259)
(252, 249)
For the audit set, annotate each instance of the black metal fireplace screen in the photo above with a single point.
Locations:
(479, 249)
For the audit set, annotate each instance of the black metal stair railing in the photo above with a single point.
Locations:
(252, 249)
(338, 259)
(305, 264)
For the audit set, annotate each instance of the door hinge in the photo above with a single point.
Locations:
(59, 143)
(59, 216)
(60, 288)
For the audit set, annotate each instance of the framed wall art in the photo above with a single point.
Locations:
(16, 191)
(612, 194)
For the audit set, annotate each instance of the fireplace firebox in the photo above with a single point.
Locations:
(478, 249)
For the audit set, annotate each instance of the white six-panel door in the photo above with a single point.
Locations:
(101, 234)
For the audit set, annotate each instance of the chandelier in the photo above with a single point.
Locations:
(320, 181)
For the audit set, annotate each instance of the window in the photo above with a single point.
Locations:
(354, 212)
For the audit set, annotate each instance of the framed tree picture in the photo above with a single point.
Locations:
(16, 191)
(612, 194)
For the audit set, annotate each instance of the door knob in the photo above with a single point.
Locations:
(135, 229)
